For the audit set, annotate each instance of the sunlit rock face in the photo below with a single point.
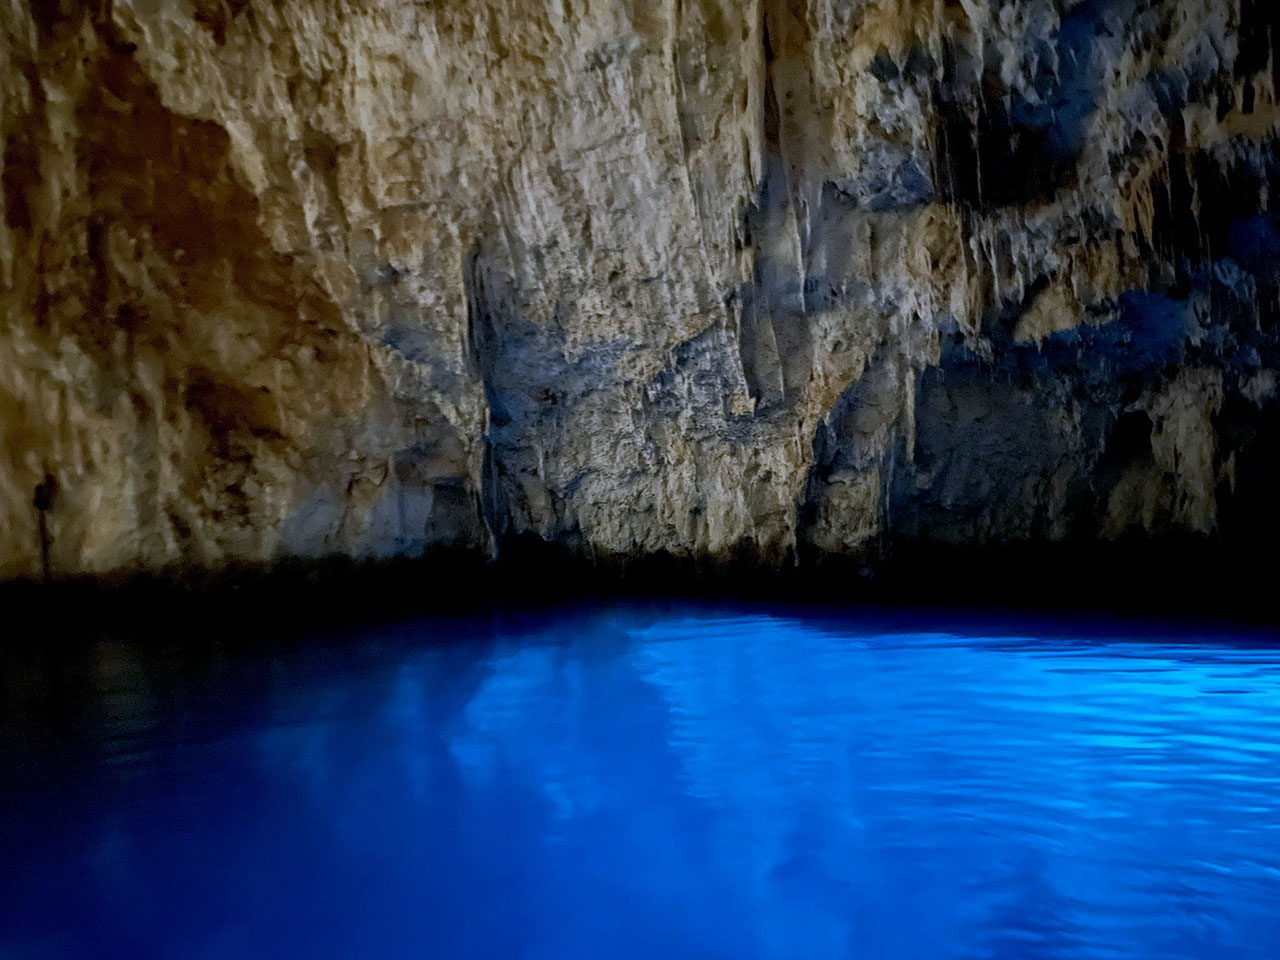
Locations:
(761, 278)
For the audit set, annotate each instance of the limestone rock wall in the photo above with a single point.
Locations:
(294, 278)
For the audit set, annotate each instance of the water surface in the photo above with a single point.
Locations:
(642, 782)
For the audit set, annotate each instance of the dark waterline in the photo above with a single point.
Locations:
(647, 781)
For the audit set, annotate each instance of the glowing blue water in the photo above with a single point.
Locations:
(629, 783)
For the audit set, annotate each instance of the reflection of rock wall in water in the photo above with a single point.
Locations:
(368, 277)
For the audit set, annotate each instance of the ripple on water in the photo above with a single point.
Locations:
(633, 782)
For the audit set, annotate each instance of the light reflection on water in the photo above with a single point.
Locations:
(638, 782)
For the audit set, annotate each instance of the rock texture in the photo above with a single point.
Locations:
(764, 278)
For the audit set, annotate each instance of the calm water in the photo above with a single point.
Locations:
(634, 782)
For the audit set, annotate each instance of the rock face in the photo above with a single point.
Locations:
(773, 278)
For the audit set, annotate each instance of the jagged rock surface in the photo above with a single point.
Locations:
(706, 277)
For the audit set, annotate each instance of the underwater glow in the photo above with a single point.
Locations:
(649, 782)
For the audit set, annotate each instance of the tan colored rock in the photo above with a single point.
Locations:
(366, 277)
(1052, 311)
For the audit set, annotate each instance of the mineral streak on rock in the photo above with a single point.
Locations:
(770, 278)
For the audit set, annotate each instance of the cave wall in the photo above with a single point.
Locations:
(760, 278)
